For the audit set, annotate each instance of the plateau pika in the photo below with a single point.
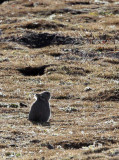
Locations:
(40, 110)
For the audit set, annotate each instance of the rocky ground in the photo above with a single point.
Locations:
(70, 48)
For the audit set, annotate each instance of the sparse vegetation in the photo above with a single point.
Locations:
(70, 48)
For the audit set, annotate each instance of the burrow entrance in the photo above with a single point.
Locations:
(74, 145)
(33, 71)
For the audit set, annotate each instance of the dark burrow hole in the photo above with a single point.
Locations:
(38, 40)
(63, 97)
(79, 3)
(74, 145)
(56, 54)
(35, 141)
(77, 145)
(33, 71)
(63, 11)
(42, 25)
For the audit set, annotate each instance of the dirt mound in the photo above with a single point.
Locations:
(42, 24)
(63, 11)
(74, 145)
(38, 40)
(107, 95)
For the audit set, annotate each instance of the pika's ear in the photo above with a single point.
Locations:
(37, 96)
(40, 97)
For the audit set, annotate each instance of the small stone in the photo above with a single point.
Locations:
(1, 94)
(59, 147)
(22, 105)
(97, 106)
(86, 83)
(50, 146)
(87, 89)
(35, 141)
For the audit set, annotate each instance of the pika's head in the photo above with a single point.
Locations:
(43, 96)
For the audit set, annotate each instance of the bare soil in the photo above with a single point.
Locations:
(70, 48)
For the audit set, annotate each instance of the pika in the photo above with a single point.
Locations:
(40, 110)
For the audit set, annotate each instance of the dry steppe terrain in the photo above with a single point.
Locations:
(70, 48)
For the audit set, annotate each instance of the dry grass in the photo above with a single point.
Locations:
(77, 61)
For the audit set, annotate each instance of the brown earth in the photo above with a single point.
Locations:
(70, 48)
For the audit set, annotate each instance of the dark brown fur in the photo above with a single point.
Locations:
(40, 110)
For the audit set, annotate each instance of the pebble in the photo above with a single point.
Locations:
(87, 89)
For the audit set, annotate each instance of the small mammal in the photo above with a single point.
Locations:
(40, 110)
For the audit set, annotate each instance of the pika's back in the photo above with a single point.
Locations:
(40, 110)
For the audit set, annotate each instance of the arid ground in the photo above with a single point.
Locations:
(70, 48)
